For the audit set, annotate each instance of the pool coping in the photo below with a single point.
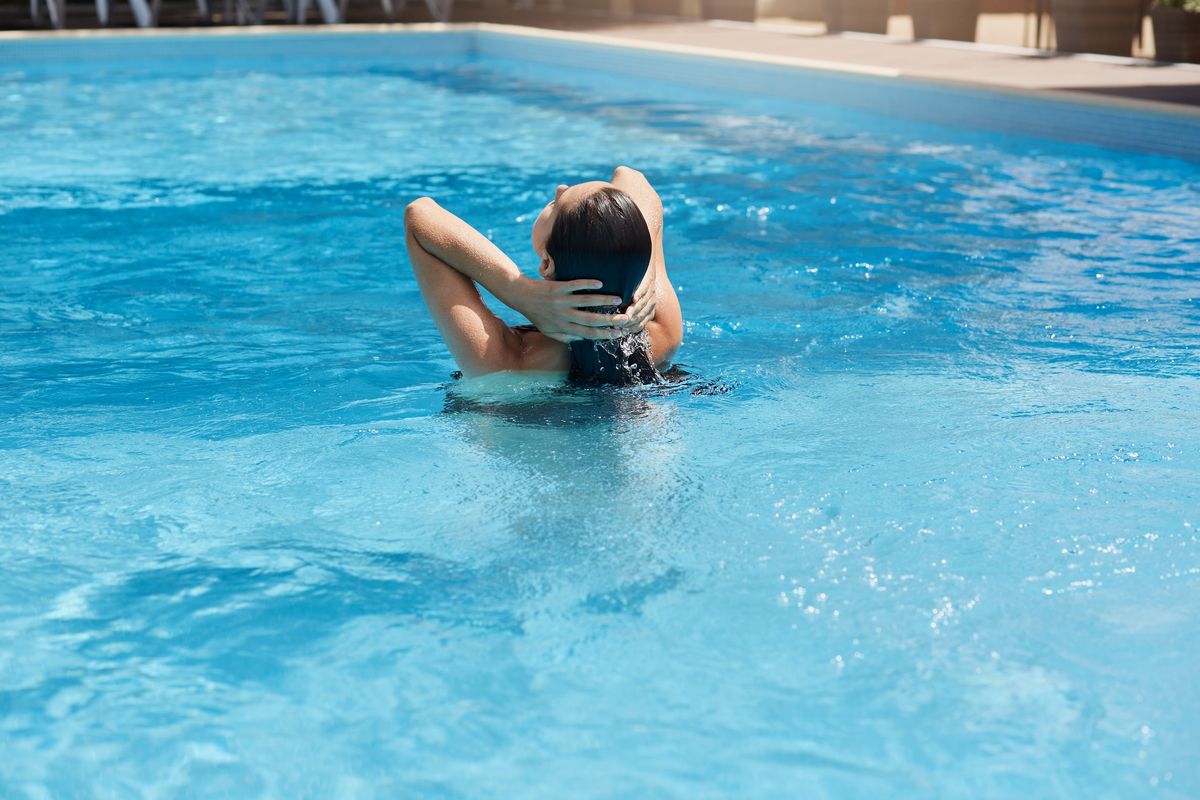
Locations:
(1071, 96)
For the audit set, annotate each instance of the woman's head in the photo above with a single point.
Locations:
(594, 230)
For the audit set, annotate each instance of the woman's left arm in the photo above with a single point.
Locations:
(656, 305)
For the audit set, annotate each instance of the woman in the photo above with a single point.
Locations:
(596, 236)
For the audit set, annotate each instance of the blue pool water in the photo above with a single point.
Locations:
(939, 537)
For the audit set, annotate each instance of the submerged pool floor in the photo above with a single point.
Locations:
(938, 538)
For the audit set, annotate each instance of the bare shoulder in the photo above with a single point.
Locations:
(539, 353)
(664, 343)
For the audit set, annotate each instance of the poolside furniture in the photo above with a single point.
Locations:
(389, 8)
(244, 12)
(56, 8)
(144, 14)
(331, 13)
(253, 12)
(1096, 26)
(944, 19)
(866, 16)
(439, 9)
(1176, 34)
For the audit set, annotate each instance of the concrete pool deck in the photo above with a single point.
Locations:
(1174, 87)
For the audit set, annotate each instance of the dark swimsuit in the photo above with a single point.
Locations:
(673, 373)
(646, 371)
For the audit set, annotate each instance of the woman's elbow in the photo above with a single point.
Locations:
(418, 210)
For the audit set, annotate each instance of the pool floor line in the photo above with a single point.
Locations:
(1075, 95)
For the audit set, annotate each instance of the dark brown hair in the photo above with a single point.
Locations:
(605, 237)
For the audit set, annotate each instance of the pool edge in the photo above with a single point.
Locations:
(1054, 95)
(1051, 94)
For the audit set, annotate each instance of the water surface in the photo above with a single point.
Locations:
(938, 538)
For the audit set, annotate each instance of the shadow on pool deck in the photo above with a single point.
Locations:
(1183, 94)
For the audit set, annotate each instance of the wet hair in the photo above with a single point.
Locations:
(605, 237)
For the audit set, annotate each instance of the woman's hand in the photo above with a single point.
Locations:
(641, 310)
(555, 309)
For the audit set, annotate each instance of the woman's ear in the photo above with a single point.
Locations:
(546, 268)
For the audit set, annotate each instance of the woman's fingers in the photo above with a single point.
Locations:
(637, 324)
(645, 312)
(643, 309)
(585, 332)
(570, 287)
(648, 285)
(593, 320)
(589, 300)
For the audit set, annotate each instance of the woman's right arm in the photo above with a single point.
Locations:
(550, 305)
(666, 324)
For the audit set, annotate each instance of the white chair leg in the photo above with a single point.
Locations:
(440, 9)
(102, 11)
(56, 8)
(329, 11)
(141, 13)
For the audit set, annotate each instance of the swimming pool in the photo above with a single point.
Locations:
(937, 538)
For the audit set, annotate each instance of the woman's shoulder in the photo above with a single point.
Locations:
(537, 352)
(664, 344)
